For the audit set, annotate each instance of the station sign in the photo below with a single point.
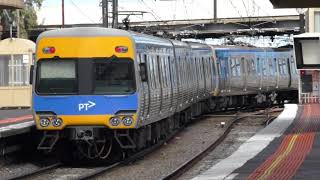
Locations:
(307, 48)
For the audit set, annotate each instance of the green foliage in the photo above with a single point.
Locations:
(28, 16)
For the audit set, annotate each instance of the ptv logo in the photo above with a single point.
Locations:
(86, 106)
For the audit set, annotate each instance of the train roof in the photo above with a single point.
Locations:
(84, 32)
(101, 31)
(148, 39)
(141, 38)
(198, 46)
(245, 48)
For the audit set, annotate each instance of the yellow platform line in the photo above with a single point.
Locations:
(279, 158)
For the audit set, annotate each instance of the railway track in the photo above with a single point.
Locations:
(95, 172)
(198, 157)
(35, 172)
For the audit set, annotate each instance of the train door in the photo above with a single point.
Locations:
(294, 73)
(264, 73)
(252, 77)
(284, 79)
(244, 73)
(272, 78)
(154, 87)
(144, 87)
(259, 71)
(276, 69)
(235, 78)
(216, 72)
(227, 72)
(173, 83)
(289, 71)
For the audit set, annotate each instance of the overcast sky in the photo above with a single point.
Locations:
(89, 11)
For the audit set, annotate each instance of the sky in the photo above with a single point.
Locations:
(89, 11)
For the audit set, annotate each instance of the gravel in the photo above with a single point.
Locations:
(239, 134)
(186, 144)
(192, 140)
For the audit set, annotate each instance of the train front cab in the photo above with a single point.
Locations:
(84, 85)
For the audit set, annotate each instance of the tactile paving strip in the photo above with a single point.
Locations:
(294, 148)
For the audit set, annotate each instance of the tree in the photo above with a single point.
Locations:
(27, 17)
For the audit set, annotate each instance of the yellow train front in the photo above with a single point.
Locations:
(98, 89)
(84, 83)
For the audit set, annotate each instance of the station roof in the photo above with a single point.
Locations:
(295, 3)
(11, 4)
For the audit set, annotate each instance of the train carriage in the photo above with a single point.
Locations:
(99, 87)
(97, 84)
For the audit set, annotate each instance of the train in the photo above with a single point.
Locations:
(98, 90)
(16, 58)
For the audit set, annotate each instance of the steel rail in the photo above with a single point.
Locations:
(35, 172)
(191, 162)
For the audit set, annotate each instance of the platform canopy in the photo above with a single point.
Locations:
(11, 4)
(295, 3)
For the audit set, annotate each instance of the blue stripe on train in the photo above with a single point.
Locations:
(85, 105)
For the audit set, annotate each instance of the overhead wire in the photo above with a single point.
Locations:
(234, 7)
(245, 8)
(156, 17)
(259, 8)
(79, 9)
(185, 9)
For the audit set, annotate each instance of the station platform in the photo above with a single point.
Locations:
(289, 148)
(13, 122)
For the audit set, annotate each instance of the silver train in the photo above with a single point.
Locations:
(203, 77)
(145, 87)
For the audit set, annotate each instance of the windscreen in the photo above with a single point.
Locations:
(92, 76)
(113, 77)
(57, 77)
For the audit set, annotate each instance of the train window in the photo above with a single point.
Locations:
(56, 77)
(258, 66)
(200, 69)
(203, 65)
(114, 77)
(238, 66)
(264, 67)
(182, 69)
(151, 71)
(168, 74)
(251, 67)
(196, 70)
(233, 67)
(275, 66)
(172, 71)
(160, 71)
(164, 71)
(271, 67)
(187, 69)
(156, 72)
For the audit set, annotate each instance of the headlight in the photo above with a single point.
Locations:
(57, 122)
(44, 122)
(127, 121)
(115, 121)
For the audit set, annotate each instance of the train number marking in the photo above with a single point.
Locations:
(86, 106)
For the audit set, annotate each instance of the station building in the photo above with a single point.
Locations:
(16, 57)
